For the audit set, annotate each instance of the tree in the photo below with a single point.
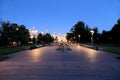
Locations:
(5, 35)
(96, 35)
(115, 32)
(106, 37)
(69, 36)
(12, 32)
(1, 37)
(40, 38)
(80, 29)
(47, 38)
(23, 34)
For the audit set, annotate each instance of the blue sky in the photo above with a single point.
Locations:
(60, 15)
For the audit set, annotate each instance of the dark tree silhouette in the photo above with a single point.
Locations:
(40, 38)
(79, 29)
(45, 38)
(115, 32)
(13, 32)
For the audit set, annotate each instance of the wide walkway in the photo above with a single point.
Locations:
(47, 63)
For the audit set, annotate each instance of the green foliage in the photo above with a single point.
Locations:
(115, 32)
(80, 28)
(83, 30)
(111, 36)
(69, 36)
(45, 38)
(10, 50)
(113, 48)
(13, 32)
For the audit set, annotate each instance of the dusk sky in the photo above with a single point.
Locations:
(60, 15)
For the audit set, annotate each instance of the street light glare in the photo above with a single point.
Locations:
(79, 36)
(92, 31)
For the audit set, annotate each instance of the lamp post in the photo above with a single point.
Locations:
(79, 38)
(92, 32)
(17, 29)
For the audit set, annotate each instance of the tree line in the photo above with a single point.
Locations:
(80, 32)
(45, 38)
(12, 32)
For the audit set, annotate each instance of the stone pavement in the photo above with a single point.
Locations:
(47, 63)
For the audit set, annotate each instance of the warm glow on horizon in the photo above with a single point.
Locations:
(61, 37)
(33, 33)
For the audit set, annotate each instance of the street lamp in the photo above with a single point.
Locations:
(79, 38)
(92, 32)
(17, 29)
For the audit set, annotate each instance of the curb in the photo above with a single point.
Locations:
(91, 47)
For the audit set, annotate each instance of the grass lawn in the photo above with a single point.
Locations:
(113, 48)
(10, 50)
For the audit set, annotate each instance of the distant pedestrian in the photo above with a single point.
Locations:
(64, 47)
